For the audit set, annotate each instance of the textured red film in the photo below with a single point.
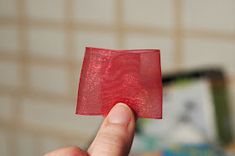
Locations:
(129, 76)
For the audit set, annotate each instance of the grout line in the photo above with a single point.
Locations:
(119, 24)
(23, 44)
(95, 27)
(10, 142)
(209, 34)
(16, 121)
(124, 28)
(12, 132)
(148, 31)
(37, 95)
(38, 131)
(42, 61)
(14, 97)
(178, 34)
(24, 54)
(12, 145)
(70, 46)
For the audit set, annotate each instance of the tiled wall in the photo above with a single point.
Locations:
(41, 49)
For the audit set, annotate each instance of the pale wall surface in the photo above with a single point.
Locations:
(42, 44)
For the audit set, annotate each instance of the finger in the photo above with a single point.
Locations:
(69, 151)
(116, 133)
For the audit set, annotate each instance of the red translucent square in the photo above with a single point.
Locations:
(129, 76)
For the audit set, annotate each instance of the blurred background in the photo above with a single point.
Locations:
(41, 50)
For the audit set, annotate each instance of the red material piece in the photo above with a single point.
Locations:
(129, 76)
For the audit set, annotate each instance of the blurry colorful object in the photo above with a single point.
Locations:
(193, 150)
(187, 150)
(216, 79)
(129, 76)
(195, 111)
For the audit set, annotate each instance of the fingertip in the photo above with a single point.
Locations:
(120, 114)
(115, 135)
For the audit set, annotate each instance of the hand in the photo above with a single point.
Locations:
(114, 137)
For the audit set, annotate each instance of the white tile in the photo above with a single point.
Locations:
(165, 44)
(209, 53)
(8, 8)
(81, 143)
(75, 80)
(4, 146)
(59, 117)
(93, 39)
(25, 144)
(8, 39)
(209, 15)
(49, 144)
(6, 111)
(89, 11)
(49, 79)
(150, 13)
(49, 43)
(10, 74)
(46, 9)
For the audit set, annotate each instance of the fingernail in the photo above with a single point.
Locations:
(120, 114)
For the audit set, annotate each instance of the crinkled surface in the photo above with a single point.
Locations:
(129, 76)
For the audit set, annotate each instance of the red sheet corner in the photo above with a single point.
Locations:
(129, 76)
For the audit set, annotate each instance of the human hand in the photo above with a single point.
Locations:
(114, 137)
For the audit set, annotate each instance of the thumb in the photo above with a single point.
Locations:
(116, 133)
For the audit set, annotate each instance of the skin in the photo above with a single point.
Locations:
(114, 137)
